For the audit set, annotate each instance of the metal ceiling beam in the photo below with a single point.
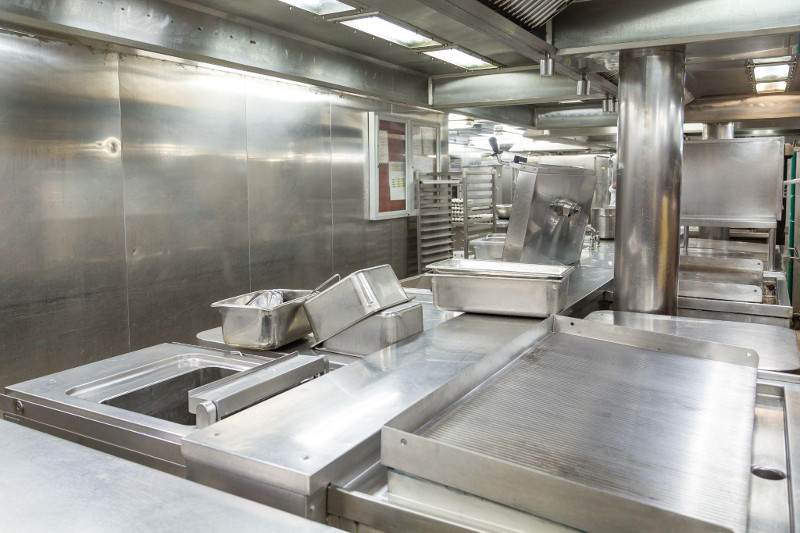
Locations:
(727, 109)
(610, 25)
(503, 88)
(484, 19)
(514, 115)
(576, 117)
(174, 30)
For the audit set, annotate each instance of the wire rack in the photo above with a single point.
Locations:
(445, 200)
(434, 220)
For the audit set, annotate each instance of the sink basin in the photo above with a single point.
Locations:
(135, 405)
(169, 400)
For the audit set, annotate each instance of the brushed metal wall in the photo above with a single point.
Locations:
(185, 164)
(137, 191)
(289, 176)
(62, 251)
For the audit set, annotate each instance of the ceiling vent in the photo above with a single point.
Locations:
(529, 14)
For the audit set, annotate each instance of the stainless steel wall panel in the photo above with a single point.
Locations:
(186, 219)
(733, 182)
(167, 28)
(62, 253)
(289, 180)
(357, 241)
(136, 191)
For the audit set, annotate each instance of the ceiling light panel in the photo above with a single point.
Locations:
(771, 87)
(391, 32)
(460, 59)
(319, 7)
(767, 60)
(771, 72)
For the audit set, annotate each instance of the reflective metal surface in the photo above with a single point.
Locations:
(357, 242)
(576, 428)
(431, 507)
(186, 195)
(649, 182)
(721, 269)
(134, 405)
(62, 236)
(165, 27)
(504, 88)
(776, 346)
(249, 326)
(604, 219)
(378, 331)
(191, 227)
(94, 491)
(730, 292)
(551, 208)
(305, 447)
(503, 269)
(216, 400)
(619, 24)
(732, 182)
(288, 171)
(353, 299)
(511, 296)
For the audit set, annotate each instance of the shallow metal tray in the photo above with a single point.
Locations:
(354, 298)
(721, 269)
(247, 326)
(600, 428)
(377, 331)
(503, 269)
(730, 292)
(513, 296)
(777, 346)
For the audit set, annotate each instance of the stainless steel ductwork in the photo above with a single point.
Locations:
(716, 130)
(648, 189)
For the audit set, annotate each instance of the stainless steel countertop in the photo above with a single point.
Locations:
(50, 484)
(600, 257)
(327, 430)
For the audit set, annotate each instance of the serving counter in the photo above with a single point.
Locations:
(50, 484)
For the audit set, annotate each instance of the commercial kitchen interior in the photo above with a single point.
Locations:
(399, 265)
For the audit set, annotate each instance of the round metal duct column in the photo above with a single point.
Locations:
(649, 184)
(716, 130)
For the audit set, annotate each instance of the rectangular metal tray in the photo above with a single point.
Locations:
(377, 331)
(600, 428)
(729, 292)
(354, 298)
(503, 269)
(515, 296)
(245, 326)
(777, 346)
(721, 269)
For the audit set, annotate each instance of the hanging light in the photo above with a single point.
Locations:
(584, 85)
(546, 65)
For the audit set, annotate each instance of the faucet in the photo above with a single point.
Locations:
(594, 237)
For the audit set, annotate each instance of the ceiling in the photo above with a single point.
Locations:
(512, 34)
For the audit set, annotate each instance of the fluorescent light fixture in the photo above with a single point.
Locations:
(319, 7)
(692, 127)
(460, 59)
(570, 101)
(771, 72)
(391, 32)
(771, 87)
(768, 60)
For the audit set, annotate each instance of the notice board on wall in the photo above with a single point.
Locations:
(391, 163)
